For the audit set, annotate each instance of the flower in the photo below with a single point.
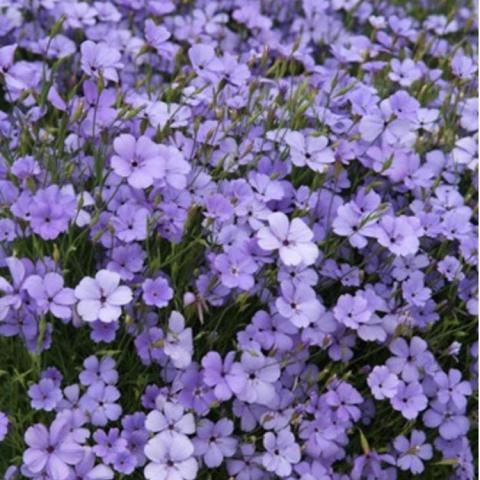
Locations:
(412, 452)
(100, 60)
(50, 294)
(213, 441)
(178, 344)
(45, 395)
(101, 298)
(98, 371)
(292, 239)
(282, 452)
(409, 400)
(383, 383)
(225, 377)
(138, 160)
(299, 304)
(170, 460)
(100, 402)
(157, 292)
(4, 424)
(51, 451)
(311, 151)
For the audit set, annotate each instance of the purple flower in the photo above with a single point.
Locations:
(214, 442)
(412, 452)
(170, 422)
(87, 470)
(352, 311)
(100, 402)
(409, 400)
(449, 420)
(404, 72)
(51, 452)
(408, 359)
(138, 160)
(299, 304)
(100, 60)
(383, 383)
(226, 378)
(262, 372)
(344, 398)
(178, 344)
(130, 223)
(51, 212)
(282, 452)
(236, 269)
(108, 444)
(98, 371)
(101, 298)
(45, 395)
(451, 388)
(125, 462)
(292, 239)
(398, 234)
(50, 294)
(4, 424)
(170, 460)
(157, 292)
(311, 151)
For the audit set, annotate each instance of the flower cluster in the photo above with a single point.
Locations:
(239, 239)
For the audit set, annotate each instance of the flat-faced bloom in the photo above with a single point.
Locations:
(204, 61)
(140, 160)
(412, 451)
(157, 292)
(404, 72)
(293, 240)
(170, 422)
(100, 401)
(214, 441)
(51, 452)
(311, 151)
(409, 358)
(176, 167)
(170, 460)
(96, 370)
(51, 212)
(451, 388)
(262, 372)
(101, 298)
(45, 395)
(450, 421)
(225, 377)
(348, 223)
(248, 466)
(4, 423)
(383, 383)
(281, 452)
(299, 304)
(409, 400)
(100, 60)
(87, 470)
(125, 462)
(50, 294)
(236, 269)
(108, 444)
(399, 234)
(130, 223)
(352, 311)
(11, 292)
(414, 290)
(178, 344)
(343, 398)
